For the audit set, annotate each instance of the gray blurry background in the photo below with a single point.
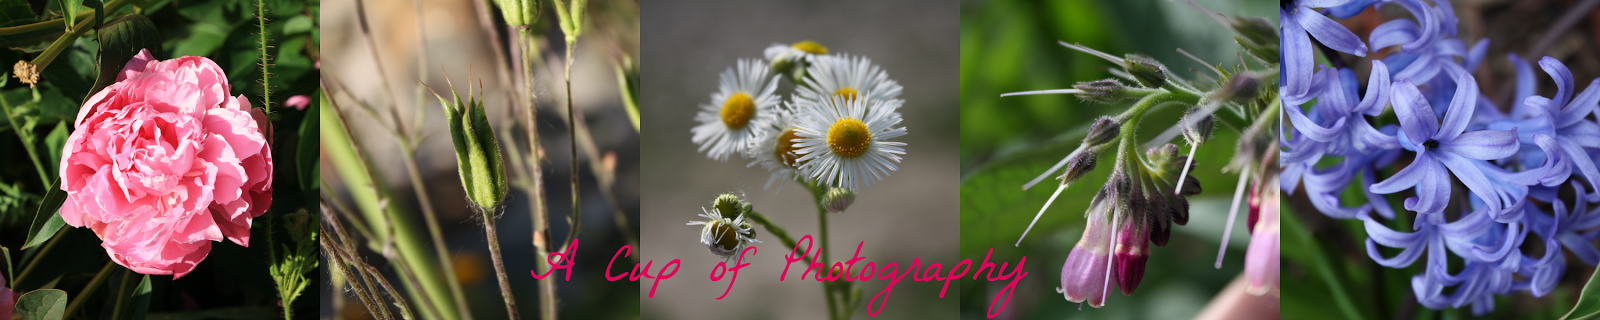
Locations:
(911, 213)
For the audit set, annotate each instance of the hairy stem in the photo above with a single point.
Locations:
(499, 264)
(266, 59)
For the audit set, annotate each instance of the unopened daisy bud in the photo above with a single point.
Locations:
(1131, 254)
(483, 174)
(730, 205)
(1103, 131)
(724, 236)
(838, 199)
(1103, 91)
(1149, 72)
(1255, 30)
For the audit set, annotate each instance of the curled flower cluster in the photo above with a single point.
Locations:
(835, 129)
(1513, 161)
(1148, 192)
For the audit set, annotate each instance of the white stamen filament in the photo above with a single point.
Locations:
(1053, 169)
(1233, 211)
(1041, 214)
(1051, 91)
(1185, 173)
(1097, 53)
(1105, 289)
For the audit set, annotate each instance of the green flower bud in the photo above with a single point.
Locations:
(1103, 91)
(730, 206)
(1104, 131)
(1079, 165)
(1197, 131)
(1256, 30)
(519, 12)
(838, 199)
(1149, 72)
(483, 174)
(1241, 87)
(1267, 53)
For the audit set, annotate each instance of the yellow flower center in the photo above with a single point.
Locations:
(785, 150)
(726, 239)
(736, 112)
(811, 47)
(849, 137)
(847, 93)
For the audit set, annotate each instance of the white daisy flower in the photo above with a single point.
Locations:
(742, 103)
(776, 150)
(723, 236)
(844, 142)
(846, 76)
(802, 51)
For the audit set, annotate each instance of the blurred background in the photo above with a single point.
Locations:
(1010, 46)
(454, 42)
(911, 213)
(1532, 29)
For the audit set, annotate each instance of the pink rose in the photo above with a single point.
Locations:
(165, 161)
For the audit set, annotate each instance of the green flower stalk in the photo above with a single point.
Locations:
(519, 13)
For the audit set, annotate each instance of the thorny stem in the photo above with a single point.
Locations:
(499, 264)
(266, 85)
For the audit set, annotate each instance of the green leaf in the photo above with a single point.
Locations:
(46, 304)
(628, 80)
(120, 40)
(1588, 302)
(46, 222)
(9, 268)
(15, 12)
(309, 153)
(203, 39)
(70, 8)
(296, 25)
(141, 300)
(54, 142)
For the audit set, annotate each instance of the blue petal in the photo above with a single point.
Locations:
(1298, 58)
(1310, 129)
(1482, 144)
(1407, 177)
(1475, 55)
(1526, 83)
(1416, 115)
(1394, 32)
(1330, 33)
(1377, 97)
(1563, 79)
(1461, 107)
(1351, 9)
(1469, 175)
(1433, 192)
(1429, 24)
(1585, 251)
